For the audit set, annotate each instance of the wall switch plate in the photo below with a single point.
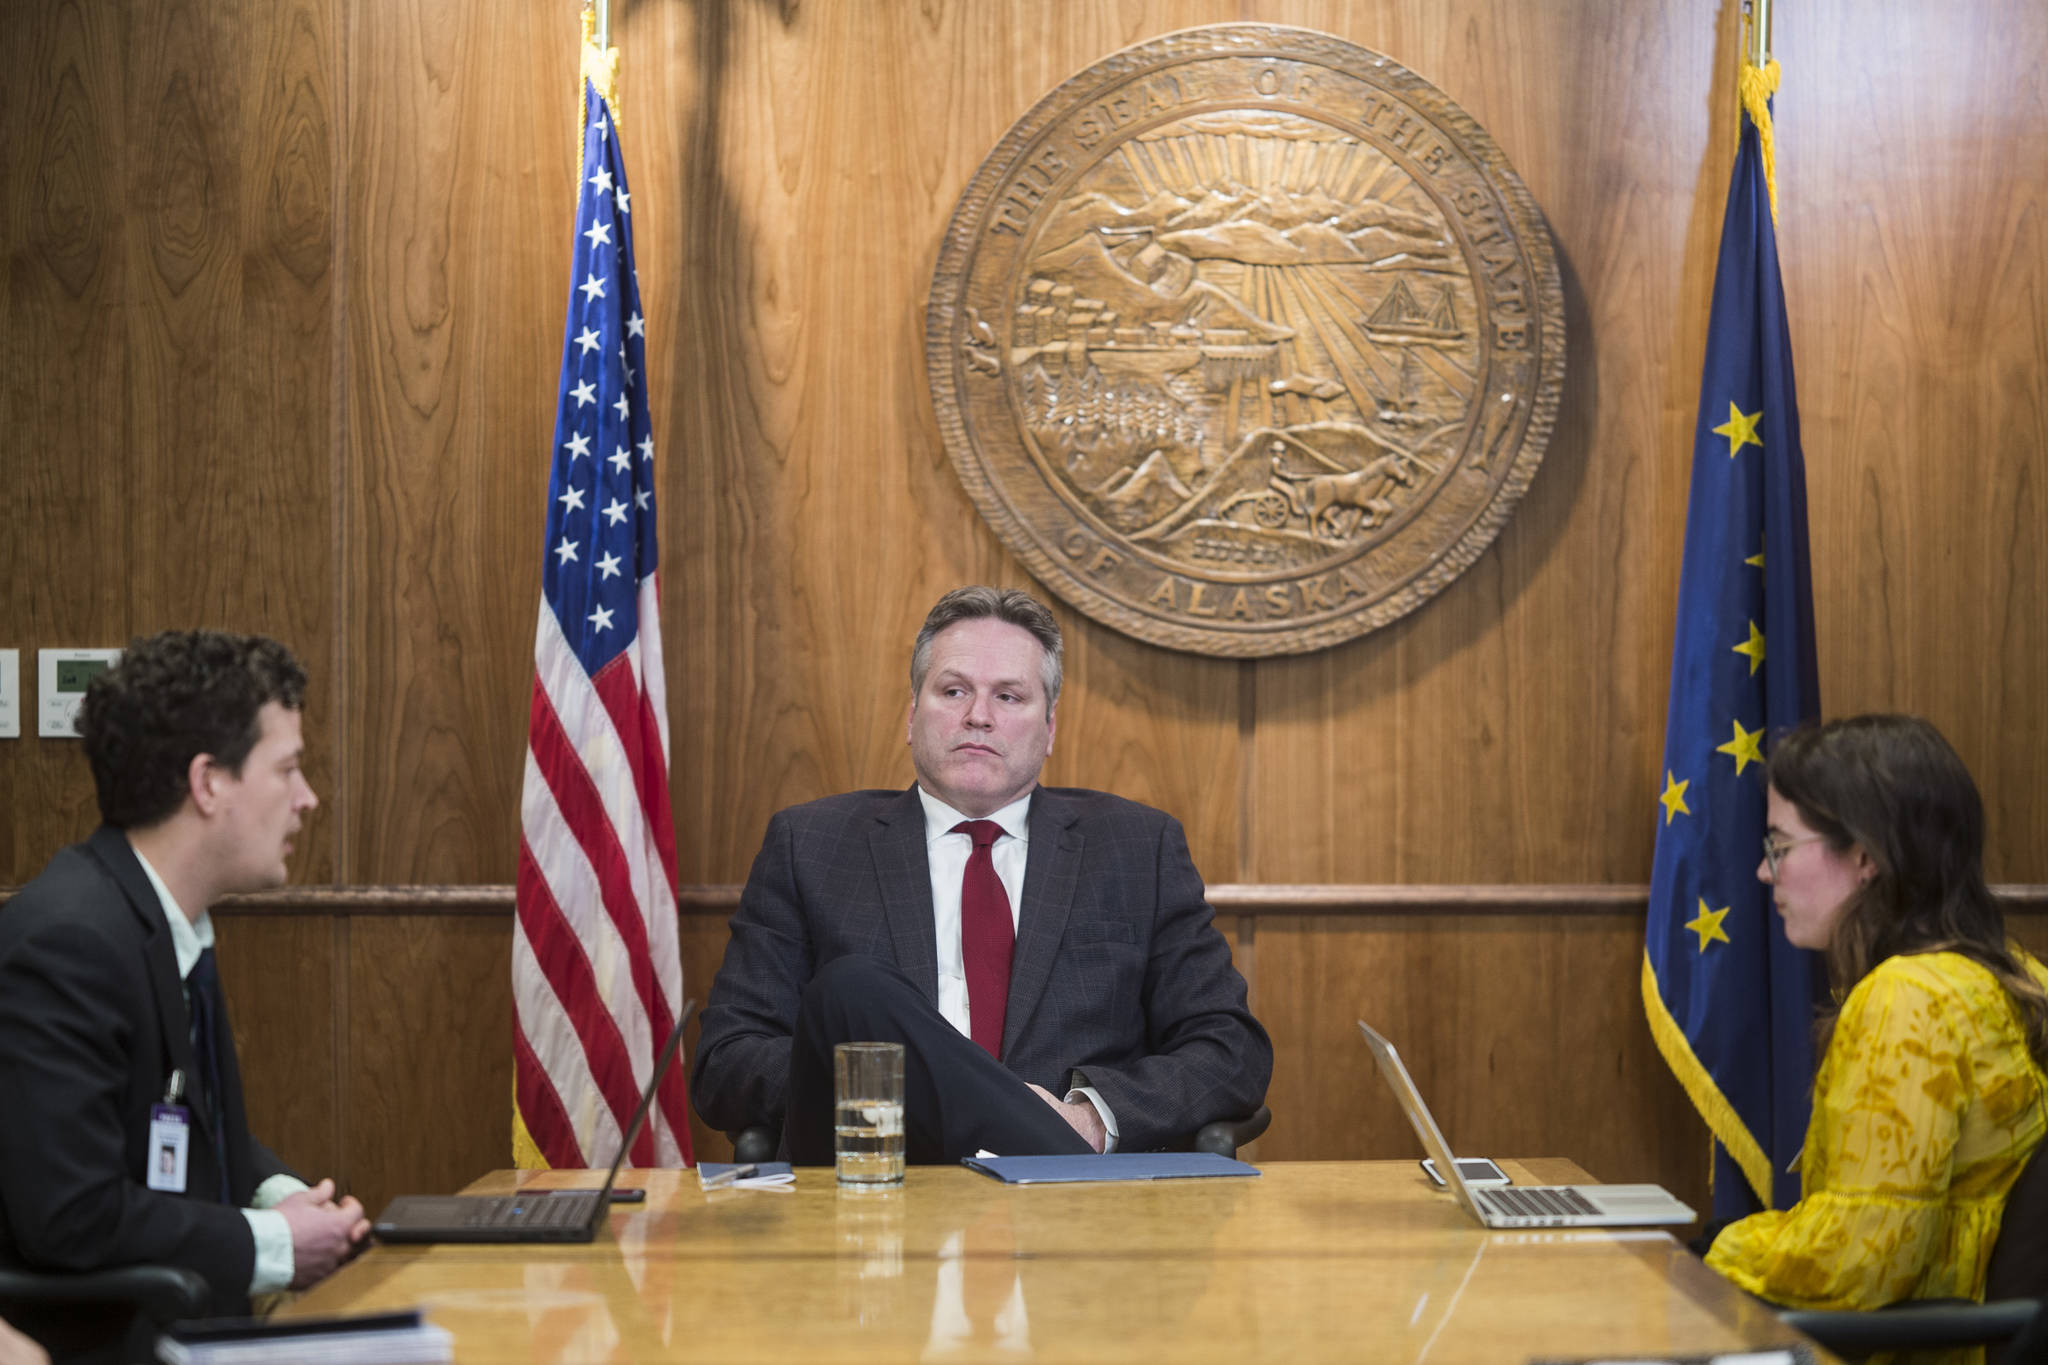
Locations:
(62, 677)
(10, 694)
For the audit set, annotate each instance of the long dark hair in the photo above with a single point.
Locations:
(1892, 786)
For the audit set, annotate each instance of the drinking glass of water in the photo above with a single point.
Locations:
(867, 1085)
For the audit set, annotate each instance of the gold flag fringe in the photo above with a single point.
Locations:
(1757, 86)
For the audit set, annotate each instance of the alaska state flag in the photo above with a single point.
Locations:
(1731, 1003)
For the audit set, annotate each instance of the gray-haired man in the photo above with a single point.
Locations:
(1046, 954)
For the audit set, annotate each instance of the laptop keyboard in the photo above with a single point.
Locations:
(1535, 1201)
(527, 1211)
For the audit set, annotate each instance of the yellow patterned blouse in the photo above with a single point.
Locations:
(1925, 1111)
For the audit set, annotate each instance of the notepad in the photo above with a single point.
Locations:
(1064, 1170)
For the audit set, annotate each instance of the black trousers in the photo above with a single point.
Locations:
(957, 1100)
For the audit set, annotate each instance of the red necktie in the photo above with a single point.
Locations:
(987, 938)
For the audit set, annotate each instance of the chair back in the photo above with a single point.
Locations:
(2019, 1259)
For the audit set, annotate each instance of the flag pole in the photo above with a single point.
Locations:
(1759, 31)
(597, 63)
(596, 962)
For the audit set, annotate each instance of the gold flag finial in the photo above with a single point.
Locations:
(599, 66)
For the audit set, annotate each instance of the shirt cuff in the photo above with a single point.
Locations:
(1094, 1097)
(273, 1250)
(276, 1190)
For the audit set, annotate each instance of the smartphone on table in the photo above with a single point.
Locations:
(1478, 1171)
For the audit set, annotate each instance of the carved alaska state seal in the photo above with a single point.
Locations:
(1246, 340)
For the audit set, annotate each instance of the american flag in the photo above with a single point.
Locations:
(597, 977)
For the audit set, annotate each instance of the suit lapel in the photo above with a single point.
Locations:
(110, 847)
(1051, 870)
(903, 875)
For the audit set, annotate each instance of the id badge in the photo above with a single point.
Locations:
(170, 1137)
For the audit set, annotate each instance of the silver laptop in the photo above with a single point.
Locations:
(530, 1215)
(1524, 1206)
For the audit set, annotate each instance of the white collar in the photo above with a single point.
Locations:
(189, 938)
(939, 818)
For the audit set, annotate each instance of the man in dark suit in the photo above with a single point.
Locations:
(114, 1037)
(1046, 954)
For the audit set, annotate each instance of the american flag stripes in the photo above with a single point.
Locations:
(596, 973)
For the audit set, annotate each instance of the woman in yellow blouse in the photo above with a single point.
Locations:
(1931, 1095)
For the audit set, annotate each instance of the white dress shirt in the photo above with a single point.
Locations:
(947, 853)
(274, 1261)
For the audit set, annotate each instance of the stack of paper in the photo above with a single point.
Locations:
(367, 1339)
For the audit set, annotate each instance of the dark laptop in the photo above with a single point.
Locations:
(530, 1215)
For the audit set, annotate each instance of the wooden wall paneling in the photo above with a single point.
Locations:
(790, 647)
(230, 244)
(2032, 933)
(286, 461)
(461, 169)
(803, 663)
(713, 503)
(1506, 730)
(279, 971)
(428, 1092)
(703, 939)
(1915, 260)
(1157, 727)
(780, 598)
(65, 461)
(1319, 813)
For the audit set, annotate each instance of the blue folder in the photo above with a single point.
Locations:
(1060, 1170)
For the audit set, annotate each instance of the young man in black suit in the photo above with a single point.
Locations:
(1046, 954)
(114, 1037)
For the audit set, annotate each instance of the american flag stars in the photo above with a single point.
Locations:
(601, 506)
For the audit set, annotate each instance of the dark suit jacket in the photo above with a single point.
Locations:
(92, 1021)
(1119, 972)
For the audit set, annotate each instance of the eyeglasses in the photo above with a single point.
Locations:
(1776, 849)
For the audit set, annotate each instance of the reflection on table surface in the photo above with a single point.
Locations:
(1310, 1261)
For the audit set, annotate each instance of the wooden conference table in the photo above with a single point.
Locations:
(1351, 1261)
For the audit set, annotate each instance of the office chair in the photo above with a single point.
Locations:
(1221, 1136)
(2015, 1307)
(95, 1313)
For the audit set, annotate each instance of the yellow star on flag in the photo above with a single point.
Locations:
(1746, 748)
(1754, 648)
(1708, 925)
(1674, 796)
(1756, 561)
(1740, 429)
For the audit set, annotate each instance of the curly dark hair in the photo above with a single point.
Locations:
(171, 698)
